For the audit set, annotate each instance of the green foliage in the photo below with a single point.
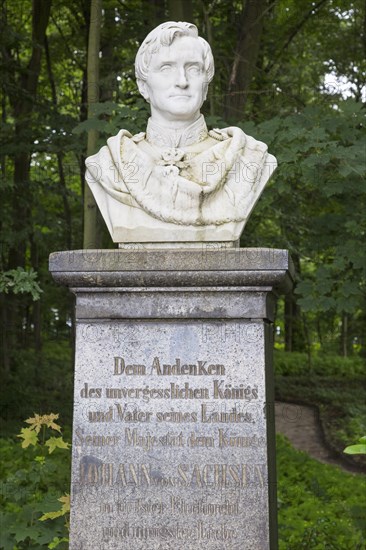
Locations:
(318, 201)
(358, 449)
(109, 117)
(320, 507)
(335, 385)
(33, 480)
(296, 364)
(314, 206)
(20, 281)
(39, 381)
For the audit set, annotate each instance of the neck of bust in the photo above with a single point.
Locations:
(163, 135)
(176, 124)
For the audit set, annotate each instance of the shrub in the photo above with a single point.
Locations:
(320, 506)
(294, 363)
(34, 476)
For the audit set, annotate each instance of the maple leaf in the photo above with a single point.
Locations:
(35, 422)
(29, 437)
(47, 419)
(53, 442)
(24, 531)
(51, 515)
(65, 499)
(65, 509)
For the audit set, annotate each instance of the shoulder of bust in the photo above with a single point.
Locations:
(219, 134)
(231, 132)
(117, 138)
(138, 137)
(239, 136)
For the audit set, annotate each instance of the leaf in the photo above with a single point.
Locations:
(359, 449)
(90, 124)
(6, 540)
(356, 449)
(35, 422)
(47, 419)
(21, 281)
(65, 509)
(65, 500)
(56, 542)
(51, 515)
(24, 532)
(56, 442)
(29, 437)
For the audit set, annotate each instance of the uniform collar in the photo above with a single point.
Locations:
(170, 137)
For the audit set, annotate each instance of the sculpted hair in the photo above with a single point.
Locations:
(163, 35)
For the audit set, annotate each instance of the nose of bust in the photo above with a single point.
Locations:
(182, 81)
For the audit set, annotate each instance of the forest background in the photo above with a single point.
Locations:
(290, 73)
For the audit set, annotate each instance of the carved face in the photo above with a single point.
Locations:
(176, 84)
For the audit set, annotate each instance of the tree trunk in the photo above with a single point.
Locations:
(180, 10)
(22, 104)
(155, 14)
(307, 342)
(5, 337)
(36, 305)
(22, 109)
(344, 335)
(107, 68)
(319, 330)
(293, 323)
(207, 19)
(59, 155)
(91, 229)
(250, 27)
(289, 315)
(83, 115)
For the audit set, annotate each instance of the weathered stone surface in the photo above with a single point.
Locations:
(140, 267)
(173, 438)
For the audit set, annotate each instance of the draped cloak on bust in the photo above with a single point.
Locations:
(190, 178)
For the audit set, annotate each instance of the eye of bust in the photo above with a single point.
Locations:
(194, 68)
(166, 67)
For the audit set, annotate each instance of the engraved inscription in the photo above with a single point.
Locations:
(169, 440)
(187, 475)
(179, 368)
(199, 532)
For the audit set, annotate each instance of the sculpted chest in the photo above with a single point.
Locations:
(202, 191)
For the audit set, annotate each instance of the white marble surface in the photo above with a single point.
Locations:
(177, 182)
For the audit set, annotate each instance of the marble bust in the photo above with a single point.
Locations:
(177, 182)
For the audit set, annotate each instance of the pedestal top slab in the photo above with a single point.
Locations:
(231, 267)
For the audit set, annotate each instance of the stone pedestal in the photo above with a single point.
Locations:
(173, 436)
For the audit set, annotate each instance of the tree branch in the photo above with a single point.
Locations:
(295, 31)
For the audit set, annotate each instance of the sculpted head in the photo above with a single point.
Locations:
(174, 67)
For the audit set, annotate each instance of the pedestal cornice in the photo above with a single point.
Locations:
(255, 268)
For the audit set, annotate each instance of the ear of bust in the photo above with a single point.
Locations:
(205, 90)
(143, 89)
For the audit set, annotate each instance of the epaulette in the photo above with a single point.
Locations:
(138, 137)
(218, 134)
